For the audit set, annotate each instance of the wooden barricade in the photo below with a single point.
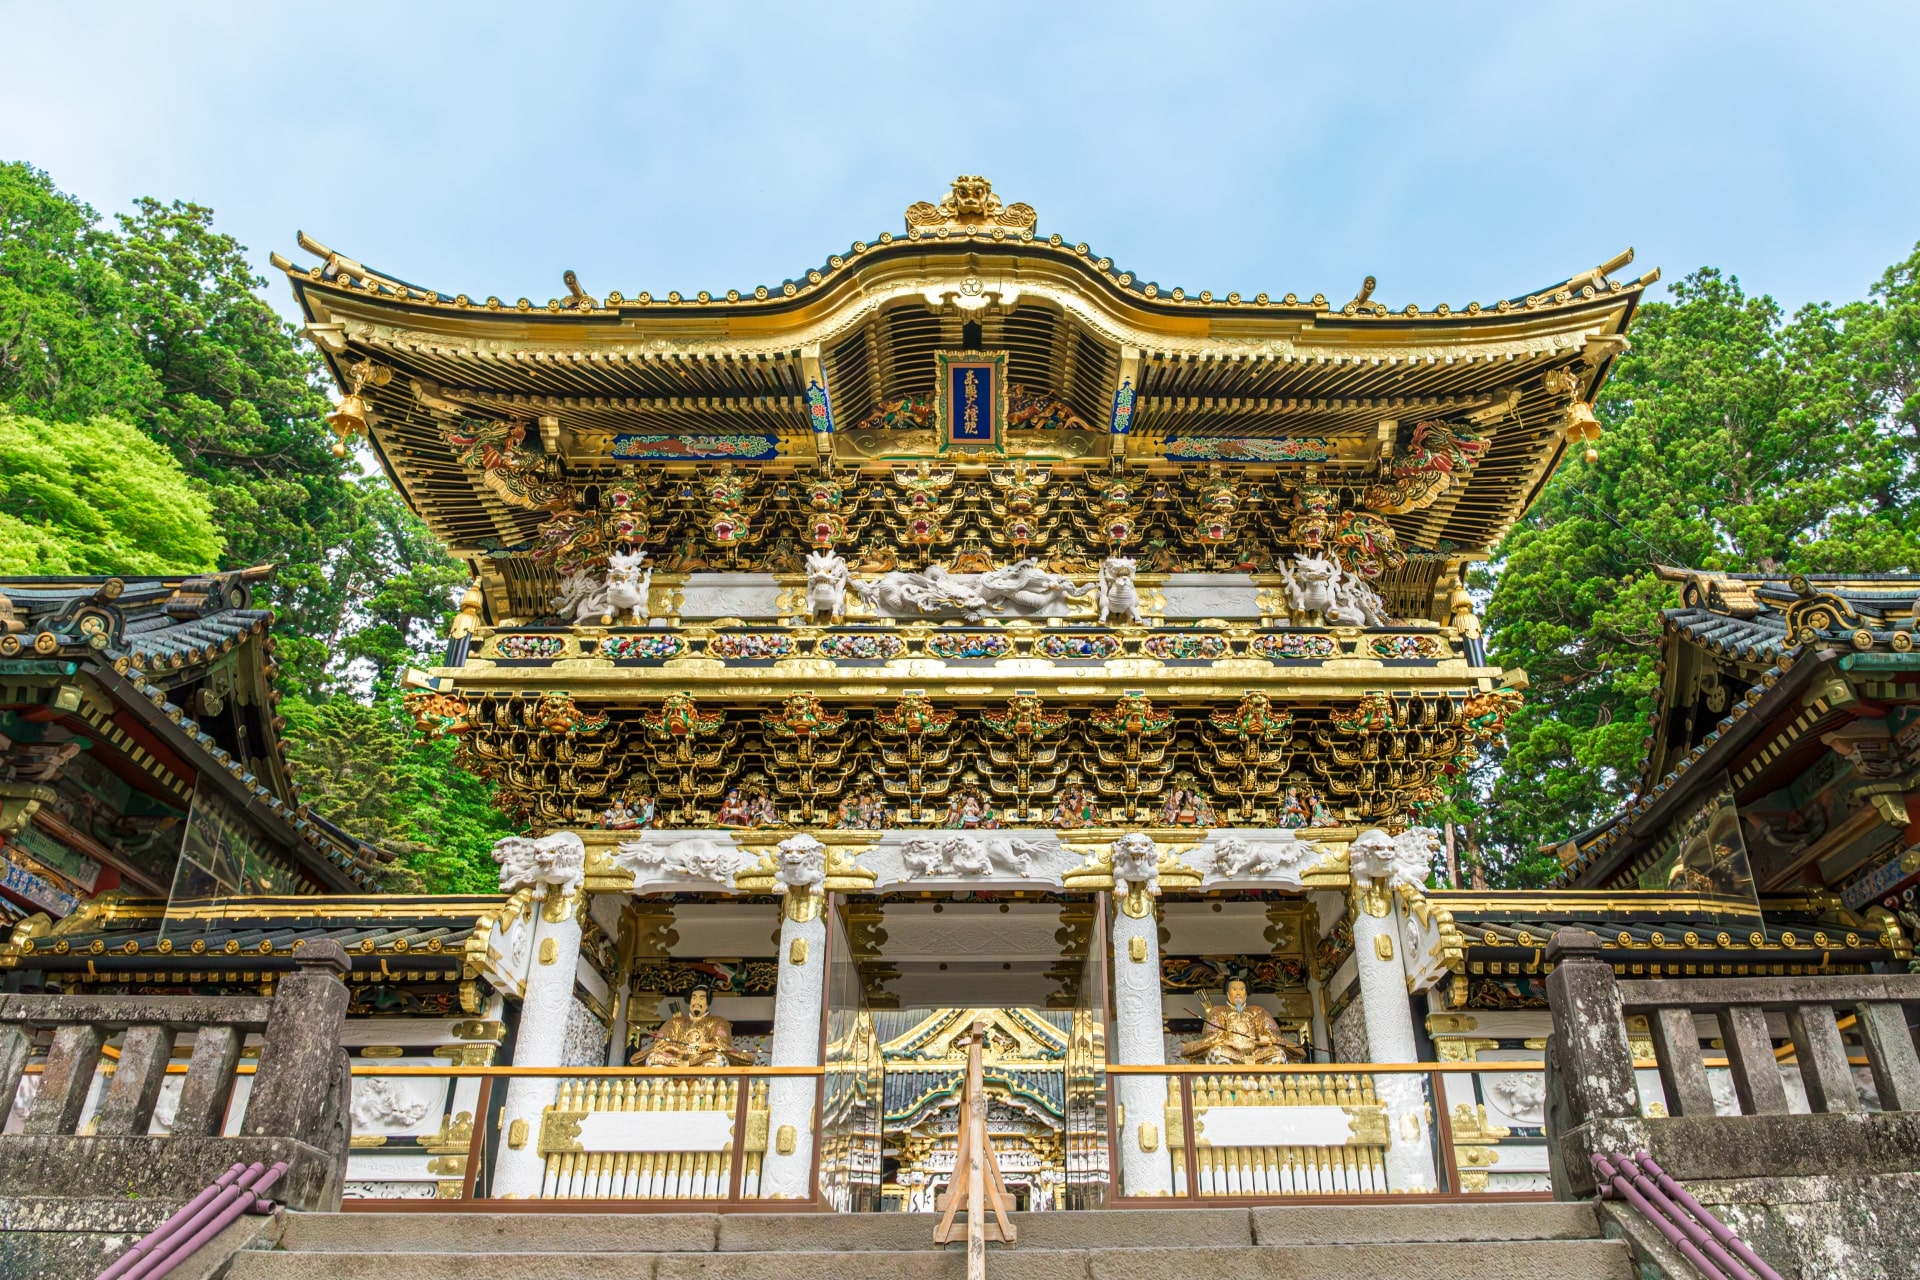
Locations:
(983, 1190)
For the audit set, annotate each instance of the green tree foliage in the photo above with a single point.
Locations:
(96, 497)
(66, 351)
(1737, 438)
(361, 765)
(158, 322)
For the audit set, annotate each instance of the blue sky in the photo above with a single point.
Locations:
(1456, 151)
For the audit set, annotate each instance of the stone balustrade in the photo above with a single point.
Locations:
(1807, 1147)
(296, 1109)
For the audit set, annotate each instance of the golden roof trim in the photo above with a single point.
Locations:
(969, 214)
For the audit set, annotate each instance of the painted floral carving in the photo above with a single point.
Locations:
(860, 648)
(648, 648)
(750, 646)
(1405, 647)
(1295, 646)
(524, 647)
(1093, 648)
(969, 645)
(1185, 648)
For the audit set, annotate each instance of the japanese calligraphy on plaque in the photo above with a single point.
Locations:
(970, 406)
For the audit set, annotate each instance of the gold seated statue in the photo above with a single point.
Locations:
(1242, 1034)
(692, 1038)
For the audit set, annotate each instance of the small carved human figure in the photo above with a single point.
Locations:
(693, 1038)
(1076, 806)
(1241, 1034)
(1186, 807)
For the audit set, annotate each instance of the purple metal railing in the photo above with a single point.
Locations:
(1705, 1241)
(240, 1190)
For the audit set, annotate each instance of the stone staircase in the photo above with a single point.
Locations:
(1526, 1241)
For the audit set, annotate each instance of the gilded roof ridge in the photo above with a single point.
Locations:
(969, 214)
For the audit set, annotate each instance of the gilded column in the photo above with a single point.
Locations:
(1379, 864)
(798, 1008)
(1139, 1036)
(554, 867)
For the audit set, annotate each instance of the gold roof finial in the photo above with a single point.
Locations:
(970, 206)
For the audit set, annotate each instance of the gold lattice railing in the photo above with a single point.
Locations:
(653, 1138)
(1341, 1125)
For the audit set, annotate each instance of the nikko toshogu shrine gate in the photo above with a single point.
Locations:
(1036, 639)
(969, 633)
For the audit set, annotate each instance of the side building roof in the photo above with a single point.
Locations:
(1758, 673)
(124, 701)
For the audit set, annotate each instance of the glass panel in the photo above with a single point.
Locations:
(221, 857)
(1085, 1139)
(850, 1122)
(1704, 852)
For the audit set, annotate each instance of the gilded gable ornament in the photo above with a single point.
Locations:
(970, 206)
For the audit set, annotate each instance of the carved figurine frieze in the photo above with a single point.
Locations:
(1242, 1034)
(693, 1037)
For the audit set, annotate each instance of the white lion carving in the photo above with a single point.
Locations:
(969, 855)
(698, 857)
(1119, 600)
(1375, 857)
(922, 856)
(551, 861)
(1236, 858)
(1136, 864)
(827, 580)
(627, 586)
(800, 865)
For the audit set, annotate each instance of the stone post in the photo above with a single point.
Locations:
(1379, 863)
(554, 868)
(300, 1054)
(799, 1006)
(1139, 1027)
(1589, 1045)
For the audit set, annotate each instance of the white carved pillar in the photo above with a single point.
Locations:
(799, 1005)
(554, 867)
(1321, 1031)
(1379, 864)
(1139, 1034)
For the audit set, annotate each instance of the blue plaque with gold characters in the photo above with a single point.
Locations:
(970, 400)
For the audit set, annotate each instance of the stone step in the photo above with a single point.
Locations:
(1515, 1260)
(773, 1232)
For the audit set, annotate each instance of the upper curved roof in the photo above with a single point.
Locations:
(864, 327)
